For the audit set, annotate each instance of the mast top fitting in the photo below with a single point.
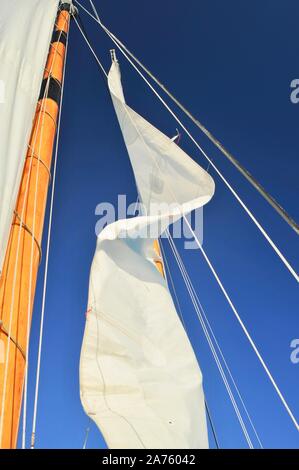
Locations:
(67, 5)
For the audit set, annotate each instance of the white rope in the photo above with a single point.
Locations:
(213, 350)
(230, 394)
(16, 263)
(221, 285)
(197, 241)
(30, 286)
(256, 185)
(199, 245)
(218, 363)
(37, 382)
(182, 267)
(247, 334)
(94, 9)
(247, 210)
(13, 288)
(86, 438)
(227, 296)
(168, 274)
(90, 47)
(31, 272)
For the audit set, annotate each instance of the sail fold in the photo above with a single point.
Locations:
(25, 34)
(139, 377)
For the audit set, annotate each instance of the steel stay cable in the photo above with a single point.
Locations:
(235, 194)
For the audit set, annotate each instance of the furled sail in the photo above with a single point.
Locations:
(139, 378)
(25, 33)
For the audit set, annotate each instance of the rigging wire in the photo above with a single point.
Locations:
(252, 343)
(233, 401)
(86, 438)
(280, 210)
(168, 274)
(41, 330)
(212, 424)
(238, 414)
(90, 47)
(30, 293)
(253, 181)
(13, 287)
(235, 194)
(197, 307)
(218, 363)
(40, 123)
(225, 293)
(286, 406)
(247, 334)
(186, 276)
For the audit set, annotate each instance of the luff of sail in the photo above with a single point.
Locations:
(139, 378)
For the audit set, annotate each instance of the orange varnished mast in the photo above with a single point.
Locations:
(159, 260)
(36, 174)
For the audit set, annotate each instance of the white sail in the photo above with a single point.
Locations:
(139, 377)
(25, 32)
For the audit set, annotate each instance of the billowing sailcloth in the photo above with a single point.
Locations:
(25, 32)
(139, 377)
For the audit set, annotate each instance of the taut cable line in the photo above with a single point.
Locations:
(204, 319)
(249, 213)
(233, 308)
(249, 177)
(226, 182)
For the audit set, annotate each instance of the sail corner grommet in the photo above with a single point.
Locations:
(113, 55)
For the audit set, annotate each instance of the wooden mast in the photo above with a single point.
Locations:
(159, 259)
(15, 300)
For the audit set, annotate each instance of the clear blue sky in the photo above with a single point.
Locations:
(231, 64)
